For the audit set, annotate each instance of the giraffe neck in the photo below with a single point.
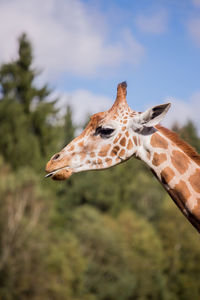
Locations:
(177, 167)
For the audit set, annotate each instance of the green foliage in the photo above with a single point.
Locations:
(18, 146)
(35, 262)
(28, 133)
(119, 255)
(182, 250)
(112, 189)
(101, 245)
(189, 133)
(69, 128)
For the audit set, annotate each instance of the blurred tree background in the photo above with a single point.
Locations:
(112, 236)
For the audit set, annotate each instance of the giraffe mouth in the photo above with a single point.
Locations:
(60, 174)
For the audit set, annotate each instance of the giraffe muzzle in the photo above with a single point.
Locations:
(60, 174)
(59, 167)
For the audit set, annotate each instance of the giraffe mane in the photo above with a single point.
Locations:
(174, 137)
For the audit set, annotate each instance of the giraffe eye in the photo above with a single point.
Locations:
(104, 132)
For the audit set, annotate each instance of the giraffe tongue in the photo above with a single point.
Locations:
(62, 174)
(49, 175)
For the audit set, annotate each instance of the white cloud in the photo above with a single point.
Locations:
(67, 36)
(193, 27)
(156, 23)
(182, 111)
(84, 103)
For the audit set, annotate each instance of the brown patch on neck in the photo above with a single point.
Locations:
(121, 153)
(187, 149)
(135, 140)
(158, 159)
(115, 150)
(195, 181)
(117, 138)
(130, 145)
(127, 133)
(182, 191)
(190, 216)
(123, 141)
(158, 141)
(180, 161)
(166, 175)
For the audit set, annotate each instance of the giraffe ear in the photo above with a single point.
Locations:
(153, 116)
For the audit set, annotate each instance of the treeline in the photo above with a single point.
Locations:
(110, 235)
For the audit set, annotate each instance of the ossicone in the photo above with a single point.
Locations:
(121, 94)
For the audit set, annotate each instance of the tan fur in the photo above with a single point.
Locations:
(130, 145)
(121, 153)
(117, 138)
(127, 134)
(135, 140)
(195, 181)
(159, 158)
(158, 142)
(95, 153)
(180, 161)
(167, 174)
(123, 141)
(187, 149)
(183, 191)
(196, 209)
(104, 150)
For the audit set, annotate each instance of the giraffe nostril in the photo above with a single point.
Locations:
(56, 156)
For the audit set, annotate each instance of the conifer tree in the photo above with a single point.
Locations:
(189, 133)
(69, 128)
(27, 116)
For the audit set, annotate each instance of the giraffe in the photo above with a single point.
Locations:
(116, 135)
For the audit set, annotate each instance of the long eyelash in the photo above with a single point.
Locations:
(106, 131)
(98, 130)
(103, 131)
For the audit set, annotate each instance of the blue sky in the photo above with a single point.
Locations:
(87, 47)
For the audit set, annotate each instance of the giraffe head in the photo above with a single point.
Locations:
(110, 138)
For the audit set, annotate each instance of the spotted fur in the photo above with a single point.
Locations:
(174, 163)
